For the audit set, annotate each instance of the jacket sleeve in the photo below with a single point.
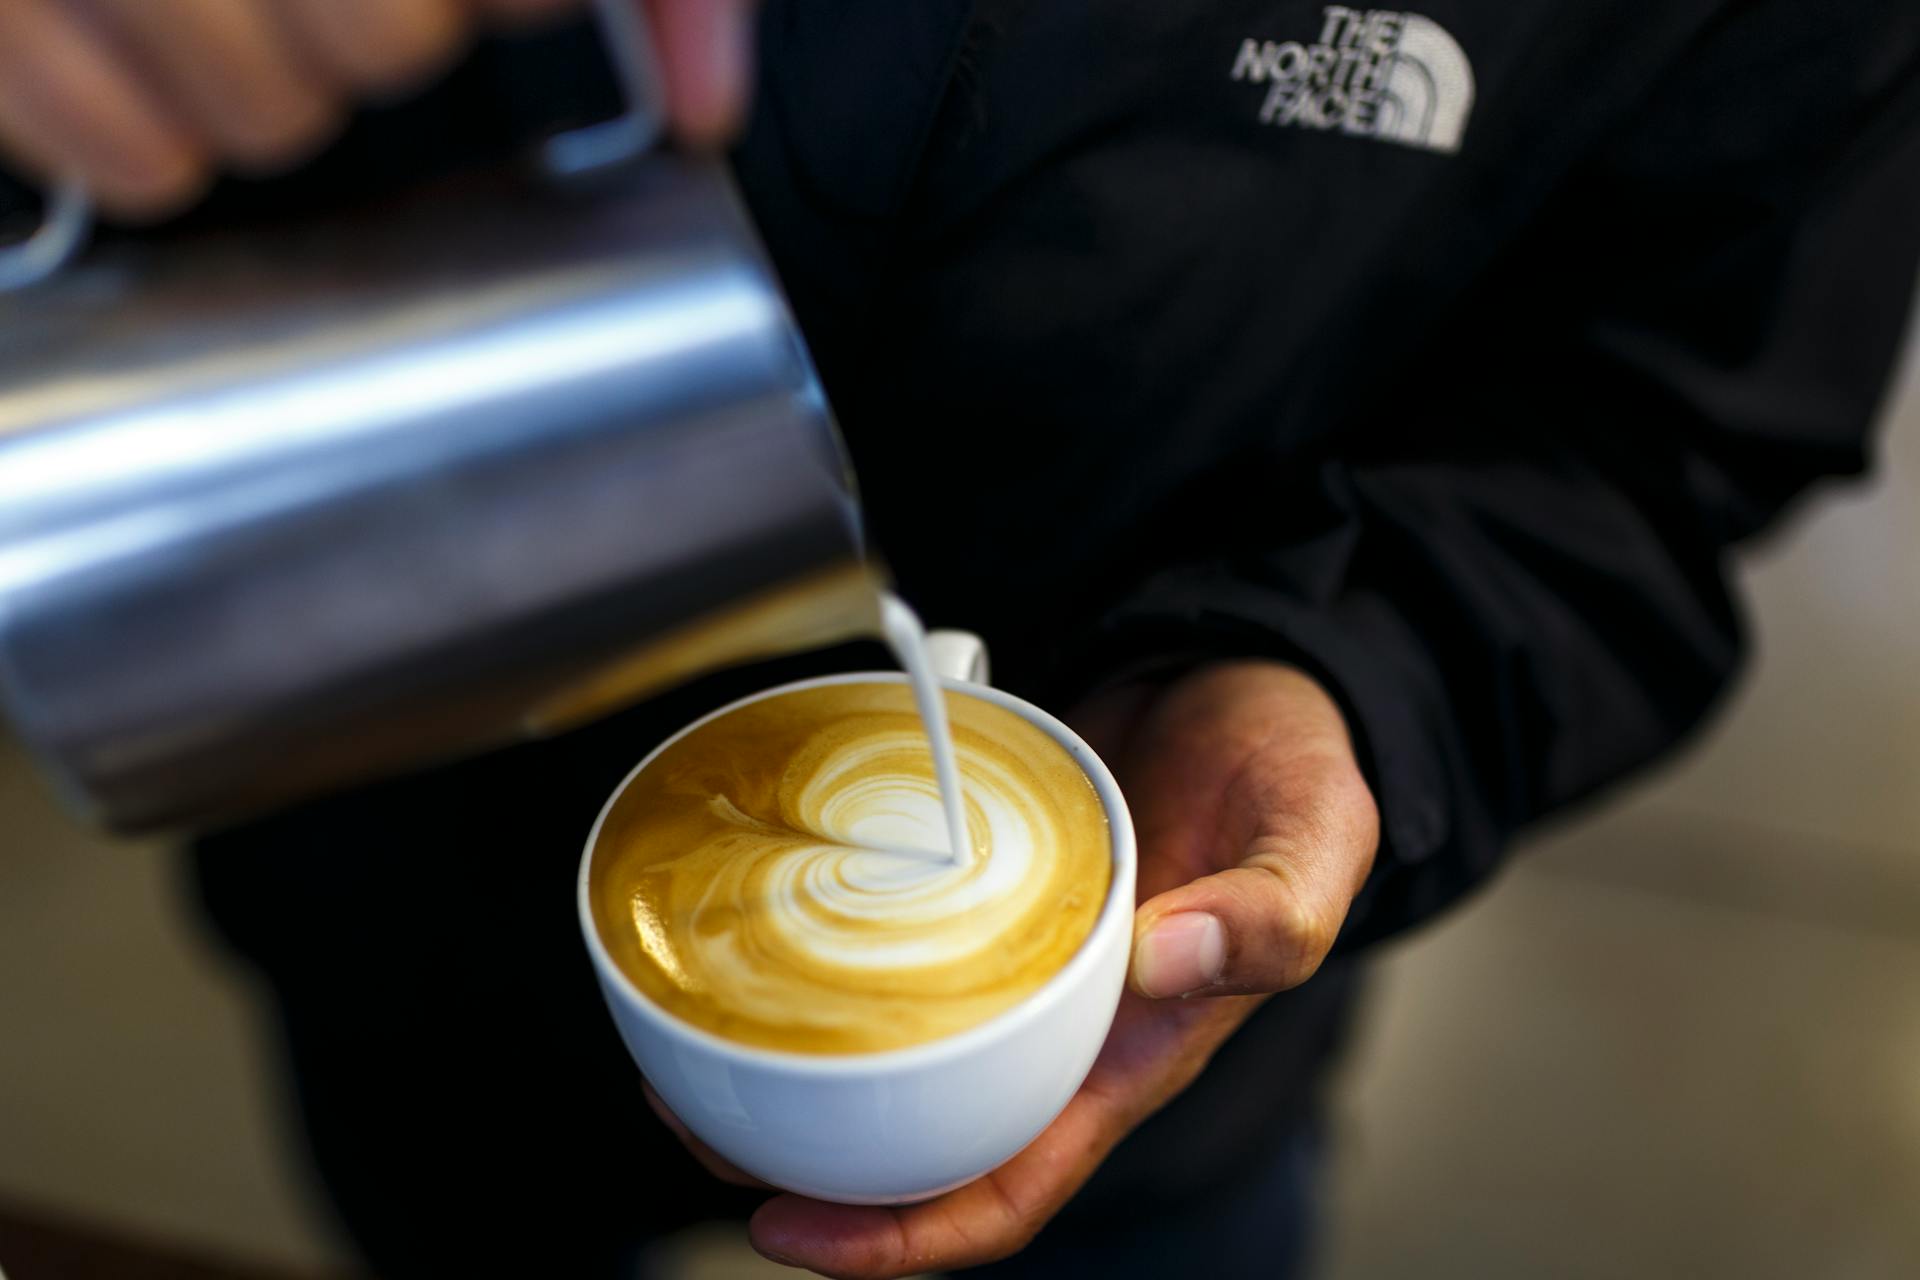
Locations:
(1516, 579)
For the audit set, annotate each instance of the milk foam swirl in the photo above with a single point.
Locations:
(780, 875)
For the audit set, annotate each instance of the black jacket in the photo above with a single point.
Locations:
(1466, 422)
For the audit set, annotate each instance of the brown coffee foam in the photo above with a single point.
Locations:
(699, 881)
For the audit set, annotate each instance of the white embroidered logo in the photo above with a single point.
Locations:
(1375, 73)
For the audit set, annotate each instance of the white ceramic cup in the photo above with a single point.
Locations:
(906, 1124)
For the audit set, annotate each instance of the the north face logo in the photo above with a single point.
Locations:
(1380, 74)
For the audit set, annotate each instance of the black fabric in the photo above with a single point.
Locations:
(1468, 435)
(1132, 377)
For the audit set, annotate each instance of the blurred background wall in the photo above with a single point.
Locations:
(1680, 1037)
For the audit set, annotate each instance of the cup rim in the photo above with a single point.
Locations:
(1116, 911)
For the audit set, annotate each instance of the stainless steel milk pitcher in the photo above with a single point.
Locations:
(316, 500)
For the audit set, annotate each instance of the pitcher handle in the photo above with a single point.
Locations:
(958, 655)
(643, 112)
(61, 235)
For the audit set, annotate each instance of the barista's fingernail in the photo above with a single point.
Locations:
(1179, 954)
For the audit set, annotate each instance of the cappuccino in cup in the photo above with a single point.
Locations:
(781, 875)
(841, 982)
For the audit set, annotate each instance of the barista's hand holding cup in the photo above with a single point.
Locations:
(814, 985)
(144, 102)
(1256, 828)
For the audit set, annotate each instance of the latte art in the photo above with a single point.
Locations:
(780, 875)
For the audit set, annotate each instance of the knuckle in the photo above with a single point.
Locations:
(1011, 1225)
(1313, 932)
(418, 39)
(274, 139)
(378, 69)
(151, 196)
(1297, 929)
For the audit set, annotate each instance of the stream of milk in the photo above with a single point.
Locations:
(908, 640)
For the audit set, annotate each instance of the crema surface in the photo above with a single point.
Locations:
(778, 876)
